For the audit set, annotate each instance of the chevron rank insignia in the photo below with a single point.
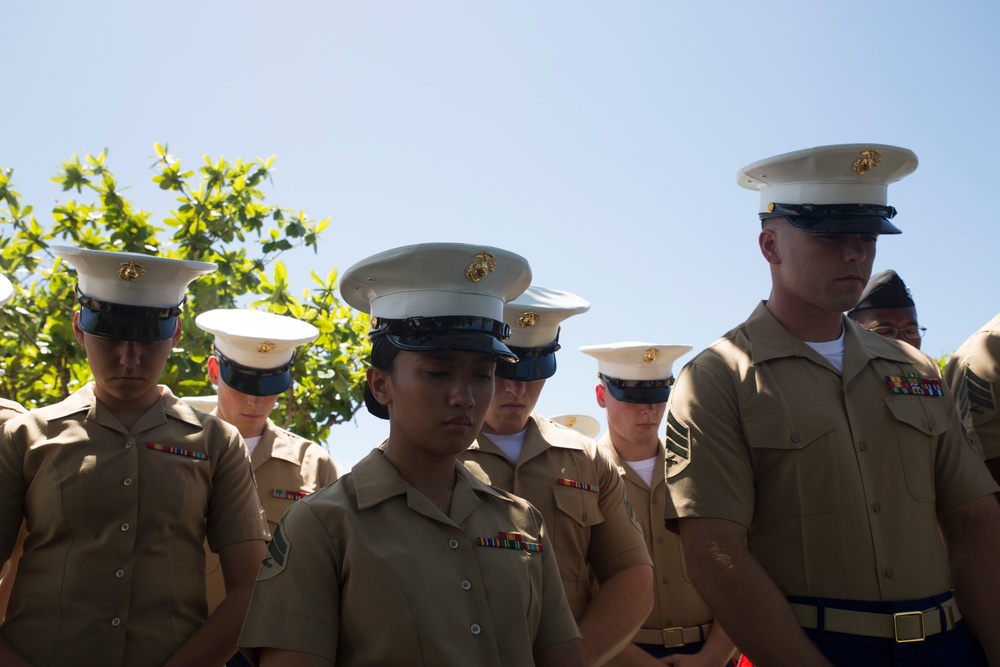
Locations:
(678, 442)
(982, 402)
(277, 556)
(914, 384)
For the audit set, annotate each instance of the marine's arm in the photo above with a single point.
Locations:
(971, 532)
(741, 594)
(615, 612)
(215, 641)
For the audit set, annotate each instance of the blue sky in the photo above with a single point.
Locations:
(599, 140)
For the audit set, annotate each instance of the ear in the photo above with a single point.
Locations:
(77, 331)
(177, 332)
(599, 392)
(769, 246)
(213, 370)
(379, 383)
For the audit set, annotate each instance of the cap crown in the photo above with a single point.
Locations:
(436, 280)
(885, 290)
(254, 338)
(6, 290)
(837, 174)
(132, 279)
(636, 361)
(535, 316)
(584, 424)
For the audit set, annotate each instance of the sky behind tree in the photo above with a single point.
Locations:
(599, 140)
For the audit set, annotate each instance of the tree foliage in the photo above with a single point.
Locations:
(219, 216)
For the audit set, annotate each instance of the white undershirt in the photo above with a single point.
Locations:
(645, 469)
(510, 444)
(252, 442)
(832, 350)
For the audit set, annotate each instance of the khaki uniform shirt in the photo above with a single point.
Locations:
(837, 479)
(9, 410)
(973, 375)
(594, 530)
(287, 468)
(367, 571)
(676, 603)
(113, 565)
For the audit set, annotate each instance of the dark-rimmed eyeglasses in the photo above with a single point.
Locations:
(912, 333)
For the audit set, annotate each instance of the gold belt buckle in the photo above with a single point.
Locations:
(895, 626)
(671, 643)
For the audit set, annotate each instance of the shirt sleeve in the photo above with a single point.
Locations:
(709, 472)
(234, 514)
(616, 543)
(12, 490)
(974, 380)
(296, 600)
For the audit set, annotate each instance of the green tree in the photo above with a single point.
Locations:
(220, 216)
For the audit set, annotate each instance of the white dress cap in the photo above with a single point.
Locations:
(132, 279)
(839, 174)
(254, 338)
(204, 403)
(635, 361)
(436, 280)
(6, 290)
(584, 424)
(535, 316)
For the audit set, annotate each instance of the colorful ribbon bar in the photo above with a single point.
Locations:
(288, 495)
(913, 384)
(580, 485)
(201, 456)
(505, 540)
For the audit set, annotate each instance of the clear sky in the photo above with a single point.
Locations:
(600, 140)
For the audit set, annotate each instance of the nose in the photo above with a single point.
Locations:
(856, 247)
(512, 387)
(129, 354)
(461, 393)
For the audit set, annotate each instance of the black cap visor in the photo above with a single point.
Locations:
(126, 323)
(836, 218)
(638, 391)
(533, 364)
(254, 381)
(453, 333)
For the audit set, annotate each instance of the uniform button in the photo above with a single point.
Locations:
(116, 622)
(124, 527)
(452, 544)
(795, 437)
(863, 446)
(583, 517)
(466, 584)
(876, 507)
(128, 481)
(888, 572)
(659, 538)
(128, 445)
(664, 580)
(119, 573)
(475, 629)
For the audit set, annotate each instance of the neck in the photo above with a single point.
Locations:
(806, 322)
(432, 475)
(127, 412)
(630, 450)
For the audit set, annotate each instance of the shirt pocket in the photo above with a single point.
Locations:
(580, 506)
(918, 423)
(795, 461)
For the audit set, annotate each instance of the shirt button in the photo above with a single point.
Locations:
(876, 507)
(116, 622)
(119, 573)
(583, 517)
(124, 527)
(466, 584)
(128, 444)
(863, 446)
(452, 544)
(664, 580)
(795, 437)
(127, 481)
(659, 539)
(475, 629)
(888, 572)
